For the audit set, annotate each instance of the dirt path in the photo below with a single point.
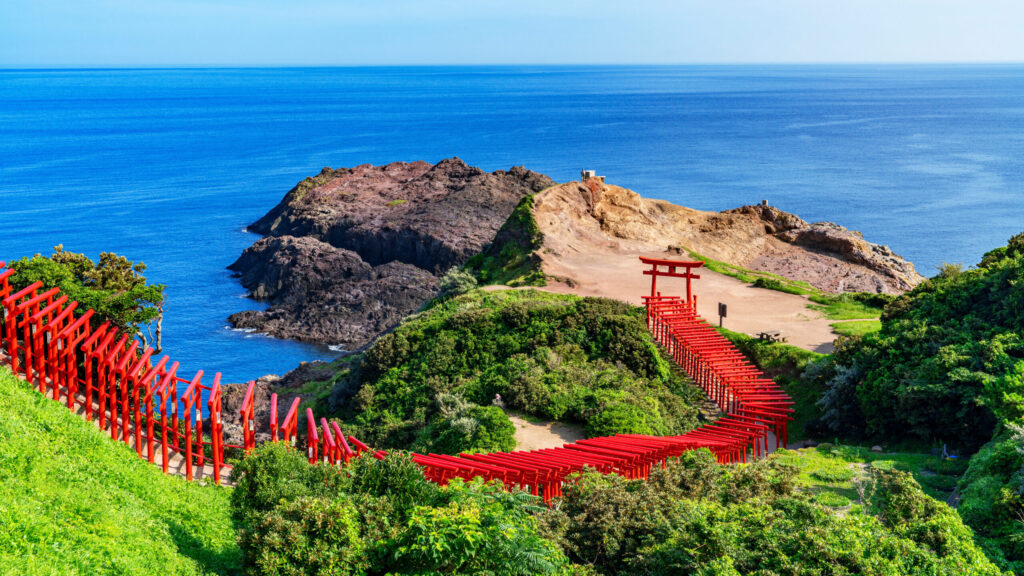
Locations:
(534, 436)
(618, 275)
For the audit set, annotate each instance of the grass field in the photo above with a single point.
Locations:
(836, 474)
(74, 502)
(856, 327)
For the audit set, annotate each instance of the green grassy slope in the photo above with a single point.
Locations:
(74, 502)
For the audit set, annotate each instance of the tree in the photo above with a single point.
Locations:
(114, 287)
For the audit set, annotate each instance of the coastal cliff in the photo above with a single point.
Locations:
(350, 252)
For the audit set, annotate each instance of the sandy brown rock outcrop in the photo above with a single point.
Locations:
(593, 216)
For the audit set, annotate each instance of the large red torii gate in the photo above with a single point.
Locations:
(672, 265)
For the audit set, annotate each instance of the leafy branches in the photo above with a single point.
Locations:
(114, 287)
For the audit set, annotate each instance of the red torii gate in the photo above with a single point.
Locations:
(687, 266)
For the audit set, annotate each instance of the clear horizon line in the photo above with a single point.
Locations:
(225, 66)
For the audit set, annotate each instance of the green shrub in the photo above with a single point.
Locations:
(946, 365)
(463, 427)
(275, 473)
(619, 418)
(481, 529)
(456, 282)
(308, 535)
(589, 361)
(396, 478)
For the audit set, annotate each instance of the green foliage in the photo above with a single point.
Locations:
(795, 536)
(274, 473)
(512, 258)
(947, 364)
(307, 535)
(460, 426)
(696, 517)
(691, 517)
(456, 282)
(481, 529)
(609, 520)
(584, 360)
(396, 478)
(383, 517)
(114, 287)
(992, 497)
(74, 502)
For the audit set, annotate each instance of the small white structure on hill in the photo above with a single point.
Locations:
(588, 174)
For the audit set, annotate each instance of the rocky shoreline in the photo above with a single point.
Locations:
(350, 252)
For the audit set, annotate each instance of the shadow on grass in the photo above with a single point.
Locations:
(225, 561)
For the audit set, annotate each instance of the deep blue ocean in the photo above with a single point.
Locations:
(169, 166)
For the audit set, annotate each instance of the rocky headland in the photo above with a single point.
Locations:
(350, 252)
(587, 219)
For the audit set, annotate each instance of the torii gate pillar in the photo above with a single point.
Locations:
(669, 268)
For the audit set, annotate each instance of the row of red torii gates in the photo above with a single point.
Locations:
(110, 378)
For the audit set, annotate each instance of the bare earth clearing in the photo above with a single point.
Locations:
(535, 436)
(617, 274)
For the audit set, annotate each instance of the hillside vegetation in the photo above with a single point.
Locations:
(431, 384)
(74, 502)
(947, 368)
(948, 363)
(511, 258)
(692, 517)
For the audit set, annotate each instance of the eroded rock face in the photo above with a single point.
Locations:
(593, 217)
(889, 272)
(351, 251)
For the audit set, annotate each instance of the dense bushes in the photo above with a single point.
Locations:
(431, 383)
(691, 517)
(380, 517)
(699, 518)
(948, 366)
(992, 497)
(947, 363)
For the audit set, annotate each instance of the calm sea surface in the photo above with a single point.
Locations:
(169, 166)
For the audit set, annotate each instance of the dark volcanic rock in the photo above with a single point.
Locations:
(319, 293)
(352, 251)
(286, 387)
(431, 216)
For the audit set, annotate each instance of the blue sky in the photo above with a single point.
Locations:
(74, 33)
